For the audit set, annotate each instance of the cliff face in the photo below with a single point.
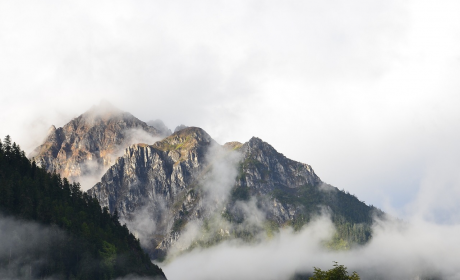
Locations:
(154, 175)
(187, 181)
(155, 181)
(264, 172)
(90, 143)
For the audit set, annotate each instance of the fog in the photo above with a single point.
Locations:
(142, 224)
(397, 251)
(22, 254)
(26, 247)
(215, 185)
(220, 178)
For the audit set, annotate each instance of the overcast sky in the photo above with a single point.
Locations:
(367, 92)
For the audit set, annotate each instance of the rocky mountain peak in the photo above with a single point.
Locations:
(257, 148)
(234, 145)
(267, 169)
(51, 129)
(185, 140)
(89, 143)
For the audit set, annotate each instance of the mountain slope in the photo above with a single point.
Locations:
(232, 191)
(75, 238)
(293, 184)
(154, 177)
(90, 143)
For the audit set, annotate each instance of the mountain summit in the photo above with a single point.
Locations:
(90, 143)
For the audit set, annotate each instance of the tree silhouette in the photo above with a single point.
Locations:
(339, 272)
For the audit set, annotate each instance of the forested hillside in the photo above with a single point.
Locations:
(90, 243)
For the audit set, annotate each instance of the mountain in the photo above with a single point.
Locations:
(187, 191)
(53, 230)
(180, 127)
(154, 177)
(90, 143)
(160, 126)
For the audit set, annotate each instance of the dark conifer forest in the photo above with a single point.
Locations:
(87, 241)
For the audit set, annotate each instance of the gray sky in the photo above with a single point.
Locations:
(367, 92)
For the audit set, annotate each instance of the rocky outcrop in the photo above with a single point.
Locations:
(158, 177)
(90, 143)
(153, 173)
(265, 172)
(174, 178)
(265, 169)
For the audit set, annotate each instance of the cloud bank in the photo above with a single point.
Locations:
(397, 251)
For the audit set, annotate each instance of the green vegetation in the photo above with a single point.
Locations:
(351, 217)
(271, 228)
(178, 141)
(310, 197)
(240, 193)
(96, 246)
(178, 224)
(233, 145)
(337, 243)
(339, 272)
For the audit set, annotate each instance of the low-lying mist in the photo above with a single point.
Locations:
(27, 247)
(398, 250)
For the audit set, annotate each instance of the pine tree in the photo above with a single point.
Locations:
(7, 144)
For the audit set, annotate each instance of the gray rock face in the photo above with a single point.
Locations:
(156, 176)
(91, 142)
(178, 182)
(264, 171)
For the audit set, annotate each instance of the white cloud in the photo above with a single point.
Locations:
(364, 91)
(397, 251)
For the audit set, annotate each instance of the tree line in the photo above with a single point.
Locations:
(96, 245)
